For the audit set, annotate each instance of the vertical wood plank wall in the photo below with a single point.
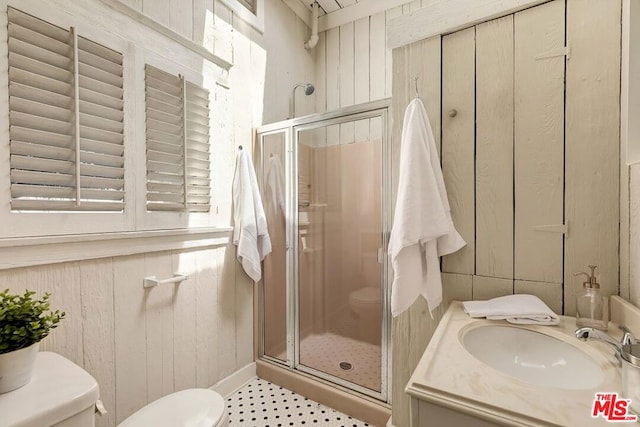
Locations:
(494, 148)
(512, 123)
(139, 343)
(592, 143)
(539, 141)
(458, 155)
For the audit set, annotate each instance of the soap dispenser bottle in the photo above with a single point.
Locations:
(592, 308)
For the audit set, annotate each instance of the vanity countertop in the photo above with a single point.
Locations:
(449, 376)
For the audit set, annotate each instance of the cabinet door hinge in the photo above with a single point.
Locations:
(562, 51)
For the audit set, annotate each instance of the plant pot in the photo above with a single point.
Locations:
(16, 367)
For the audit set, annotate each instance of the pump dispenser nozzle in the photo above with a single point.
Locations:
(591, 278)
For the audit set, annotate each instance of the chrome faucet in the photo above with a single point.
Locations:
(591, 333)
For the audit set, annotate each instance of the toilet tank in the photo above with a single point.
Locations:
(60, 394)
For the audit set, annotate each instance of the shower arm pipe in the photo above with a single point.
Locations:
(313, 40)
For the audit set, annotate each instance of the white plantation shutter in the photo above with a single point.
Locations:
(178, 171)
(66, 144)
(198, 137)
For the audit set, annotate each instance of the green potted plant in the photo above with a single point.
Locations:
(24, 322)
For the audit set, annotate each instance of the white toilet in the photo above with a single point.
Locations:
(62, 394)
(365, 303)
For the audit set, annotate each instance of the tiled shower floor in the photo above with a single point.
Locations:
(262, 404)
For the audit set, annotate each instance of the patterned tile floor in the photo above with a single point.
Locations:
(325, 352)
(262, 404)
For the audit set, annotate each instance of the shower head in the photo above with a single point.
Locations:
(308, 90)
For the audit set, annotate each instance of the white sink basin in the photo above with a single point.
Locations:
(534, 357)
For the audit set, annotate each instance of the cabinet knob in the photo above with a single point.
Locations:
(453, 112)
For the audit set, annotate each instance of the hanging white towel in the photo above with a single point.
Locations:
(521, 309)
(250, 232)
(422, 227)
(275, 184)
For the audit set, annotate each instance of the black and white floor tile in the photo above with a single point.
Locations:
(263, 404)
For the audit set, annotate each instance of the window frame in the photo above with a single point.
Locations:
(153, 220)
(49, 227)
(256, 20)
(30, 223)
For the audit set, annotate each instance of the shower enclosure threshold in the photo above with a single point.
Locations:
(339, 398)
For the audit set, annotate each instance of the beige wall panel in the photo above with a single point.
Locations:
(207, 282)
(320, 84)
(361, 73)
(181, 19)
(333, 68)
(389, 60)
(226, 310)
(456, 287)
(159, 307)
(494, 148)
(184, 320)
(130, 335)
(63, 282)
(201, 11)
(244, 318)
(96, 288)
(377, 57)
(347, 78)
(634, 234)
(159, 10)
(412, 329)
(592, 143)
(539, 133)
(549, 293)
(458, 140)
(485, 288)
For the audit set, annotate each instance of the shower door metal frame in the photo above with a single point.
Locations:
(291, 129)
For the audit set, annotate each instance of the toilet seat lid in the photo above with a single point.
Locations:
(196, 407)
(366, 295)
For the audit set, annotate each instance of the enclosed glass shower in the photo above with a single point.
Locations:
(323, 298)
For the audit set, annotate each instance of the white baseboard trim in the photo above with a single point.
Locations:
(229, 385)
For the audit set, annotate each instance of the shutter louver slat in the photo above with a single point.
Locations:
(17, 118)
(198, 143)
(177, 126)
(29, 50)
(40, 27)
(197, 154)
(101, 99)
(38, 38)
(42, 120)
(40, 82)
(38, 109)
(101, 147)
(38, 95)
(165, 144)
(40, 68)
(44, 151)
(40, 137)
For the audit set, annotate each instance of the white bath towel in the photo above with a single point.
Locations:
(521, 308)
(275, 184)
(422, 227)
(250, 232)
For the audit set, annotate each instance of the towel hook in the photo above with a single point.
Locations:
(239, 147)
(415, 80)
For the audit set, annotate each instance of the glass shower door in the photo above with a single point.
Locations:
(274, 284)
(339, 251)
